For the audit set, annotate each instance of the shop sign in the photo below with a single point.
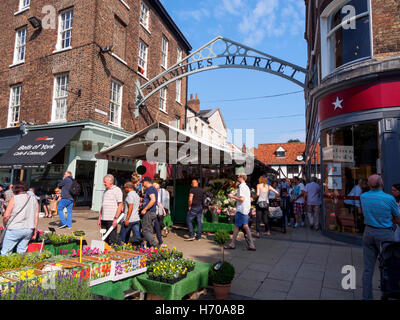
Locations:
(339, 153)
(365, 97)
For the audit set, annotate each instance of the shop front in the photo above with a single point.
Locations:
(360, 136)
(46, 152)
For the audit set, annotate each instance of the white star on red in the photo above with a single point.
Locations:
(338, 103)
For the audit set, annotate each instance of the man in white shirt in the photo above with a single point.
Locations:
(243, 204)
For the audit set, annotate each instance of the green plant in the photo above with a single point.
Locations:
(15, 260)
(221, 237)
(224, 275)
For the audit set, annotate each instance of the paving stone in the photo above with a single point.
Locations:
(253, 275)
(260, 267)
(276, 285)
(333, 294)
(245, 288)
(311, 271)
(270, 295)
(305, 289)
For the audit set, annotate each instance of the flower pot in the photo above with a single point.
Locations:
(221, 291)
(214, 217)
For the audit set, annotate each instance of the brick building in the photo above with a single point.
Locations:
(353, 105)
(76, 63)
(286, 158)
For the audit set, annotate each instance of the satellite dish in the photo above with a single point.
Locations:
(141, 170)
(299, 158)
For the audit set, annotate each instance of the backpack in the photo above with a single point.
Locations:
(75, 189)
(207, 199)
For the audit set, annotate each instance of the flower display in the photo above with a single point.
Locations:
(169, 271)
(222, 204)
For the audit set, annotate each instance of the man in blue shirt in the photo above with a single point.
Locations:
(379, 210)
(149, 211)
(67, 201)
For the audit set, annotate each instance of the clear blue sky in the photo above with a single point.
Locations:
(275, 27)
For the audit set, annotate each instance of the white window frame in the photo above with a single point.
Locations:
(57, 97)
(116, 103)
(143, 55)
(164, 52)
(326, 33)
(179, 55)
(24, 4)
(20, 44)
(61, 31)
(144, 16)
(179, 90)
(14, 109)
(163, 99)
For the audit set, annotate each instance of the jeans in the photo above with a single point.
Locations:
(262, 215)
(148, 227)
(195, 213)
(112, 237)
(158, 228)
(65, 203)
(313, 215)
(125, 233)
(371, 247)
(17, 237)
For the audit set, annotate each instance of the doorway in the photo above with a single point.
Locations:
(84, 174)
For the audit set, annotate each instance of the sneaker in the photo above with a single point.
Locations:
(289, 224)
(190, 239)
(296, 225)
(302, 224)
(62, 227)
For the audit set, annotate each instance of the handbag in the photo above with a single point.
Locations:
(263, 204)
(3, 232)
(275, 212)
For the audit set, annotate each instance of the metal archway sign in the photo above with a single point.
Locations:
(220, 53)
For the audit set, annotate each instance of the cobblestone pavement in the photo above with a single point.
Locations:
(299, 265)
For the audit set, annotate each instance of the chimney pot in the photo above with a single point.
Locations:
(191, 96)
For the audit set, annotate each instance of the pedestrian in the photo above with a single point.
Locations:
(243, 204)
(164, 199)
(396, 195)
(159, 222)
(312, 194)
(299, 204)
(67, 201)
(379, 209)
(262, 207)
(8, 194)
(195, 210)
(285, 205)
(50, 207)
(20, 220)
(149, 212)
(131, 220)
(283, 185)
(111, 208)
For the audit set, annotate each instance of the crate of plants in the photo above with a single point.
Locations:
(169, 271)
(23, 274)
(58, 243)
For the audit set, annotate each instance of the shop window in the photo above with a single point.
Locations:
(350, 155)
(345, 35)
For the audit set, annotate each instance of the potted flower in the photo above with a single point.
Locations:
(222, 273)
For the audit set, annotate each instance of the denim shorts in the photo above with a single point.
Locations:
(241, 219)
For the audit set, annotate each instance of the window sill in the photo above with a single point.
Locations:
(62, 50)
(344, 66)
(119, 59)
(16, 64)
(125, 4)
(144, 27)
(115, 125)
(163, 111)
(21, 11)
(57, 121)
(179, 102)
(143, 76)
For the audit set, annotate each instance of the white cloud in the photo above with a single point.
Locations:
(197, 15)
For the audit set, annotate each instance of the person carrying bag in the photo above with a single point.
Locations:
(20, 220)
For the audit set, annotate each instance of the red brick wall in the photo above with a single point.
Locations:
(93, 26)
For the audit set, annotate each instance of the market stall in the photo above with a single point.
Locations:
(185, 151)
